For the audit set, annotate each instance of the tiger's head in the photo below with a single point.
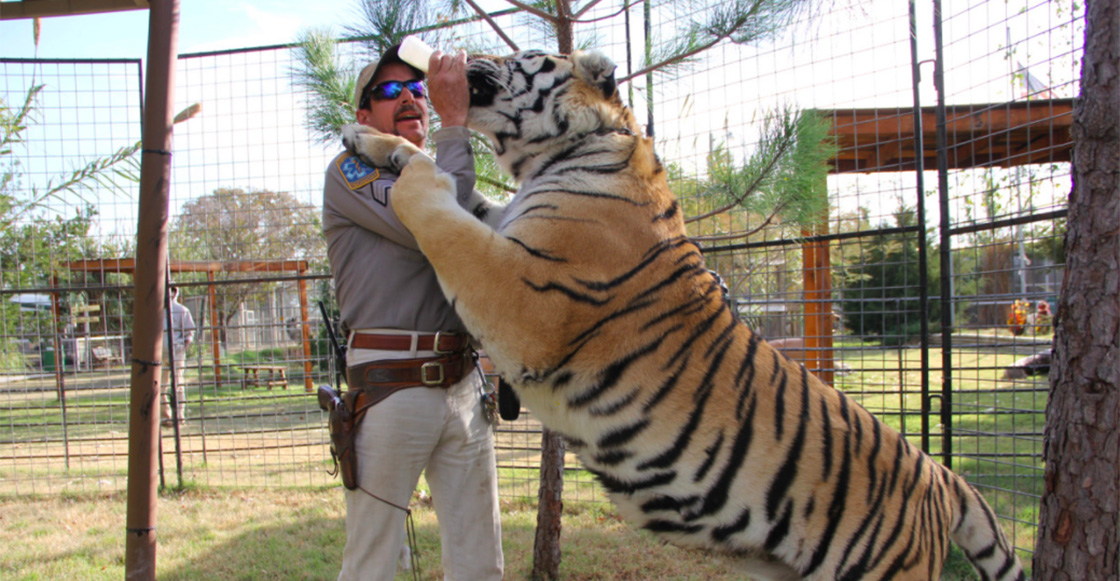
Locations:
(533, 103)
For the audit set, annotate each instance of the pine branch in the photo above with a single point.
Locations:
(493, 24)
(498, 184)
(614, 14)
(741, 22)
(105, 173)
(785, 177)
(98, 172)
(329, 88)
(783, 146)
(591, 5)
(738, 235)
(672, 60)
(387, 22)
(552, 18)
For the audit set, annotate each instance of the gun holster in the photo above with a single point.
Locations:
(346, 412)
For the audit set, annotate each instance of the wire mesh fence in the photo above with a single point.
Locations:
(924, 293)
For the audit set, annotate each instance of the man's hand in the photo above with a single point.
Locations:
(448, 91)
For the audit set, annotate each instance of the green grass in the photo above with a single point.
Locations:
(299, 534)
(996, 429)
(1005, 468)
(100, 399)
(282, 535)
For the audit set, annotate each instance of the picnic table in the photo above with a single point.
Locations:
(269, 375)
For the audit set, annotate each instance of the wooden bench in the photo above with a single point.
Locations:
(104, 356)
(269, 375)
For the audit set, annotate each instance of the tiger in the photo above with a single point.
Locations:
(590, 298)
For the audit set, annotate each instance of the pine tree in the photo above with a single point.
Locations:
(879, 287)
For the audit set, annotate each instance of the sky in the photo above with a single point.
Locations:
(204, 25)
(870, 75)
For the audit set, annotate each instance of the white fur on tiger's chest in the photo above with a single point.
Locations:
(550, 409)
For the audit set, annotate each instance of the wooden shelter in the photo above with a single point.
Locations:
(984, 135)
(884, 140)
(212, 268)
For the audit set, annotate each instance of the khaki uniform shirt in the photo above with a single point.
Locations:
(382, 280)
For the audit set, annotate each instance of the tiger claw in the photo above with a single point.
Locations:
(378, 149)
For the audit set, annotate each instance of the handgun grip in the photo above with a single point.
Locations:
(329, 398)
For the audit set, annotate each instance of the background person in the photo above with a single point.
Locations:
(181, 336)
(391, 304)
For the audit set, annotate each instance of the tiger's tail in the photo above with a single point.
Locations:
(977, 532)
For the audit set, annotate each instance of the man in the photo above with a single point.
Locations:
(181, 337)
(397, 318)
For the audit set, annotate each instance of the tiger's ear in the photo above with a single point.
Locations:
(597, 69)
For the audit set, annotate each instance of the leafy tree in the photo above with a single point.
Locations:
(233, 225)
(102, 174)
(29, 254)
(34, 239)
(879, 284)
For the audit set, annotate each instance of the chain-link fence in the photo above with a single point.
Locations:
(924, 293)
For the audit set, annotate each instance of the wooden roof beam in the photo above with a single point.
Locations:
(46, 8)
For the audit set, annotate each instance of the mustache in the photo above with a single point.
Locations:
(408, 108)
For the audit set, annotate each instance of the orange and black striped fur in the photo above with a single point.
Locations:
(592, 301)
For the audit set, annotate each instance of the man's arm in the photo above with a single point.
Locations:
(188, 327)
(449, 94)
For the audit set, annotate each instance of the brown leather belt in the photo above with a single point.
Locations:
(380, 379)
(439, 342)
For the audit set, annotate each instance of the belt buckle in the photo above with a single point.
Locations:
(435, 344)
(424, 373)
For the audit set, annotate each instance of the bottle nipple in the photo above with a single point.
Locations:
(415, 52)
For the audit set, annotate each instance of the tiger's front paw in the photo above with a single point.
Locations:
(421, 188)
(378, 149)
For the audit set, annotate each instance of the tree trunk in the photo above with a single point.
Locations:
(565, 35)
(1079, 516)
(550, 501)
(546, 547)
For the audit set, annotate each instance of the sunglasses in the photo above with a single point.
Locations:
(392, 89)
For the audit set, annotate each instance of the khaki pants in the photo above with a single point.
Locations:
(444, 433)
(165, 384)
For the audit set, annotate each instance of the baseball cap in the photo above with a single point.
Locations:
(370, 71)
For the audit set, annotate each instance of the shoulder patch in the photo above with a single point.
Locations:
(355, 172)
